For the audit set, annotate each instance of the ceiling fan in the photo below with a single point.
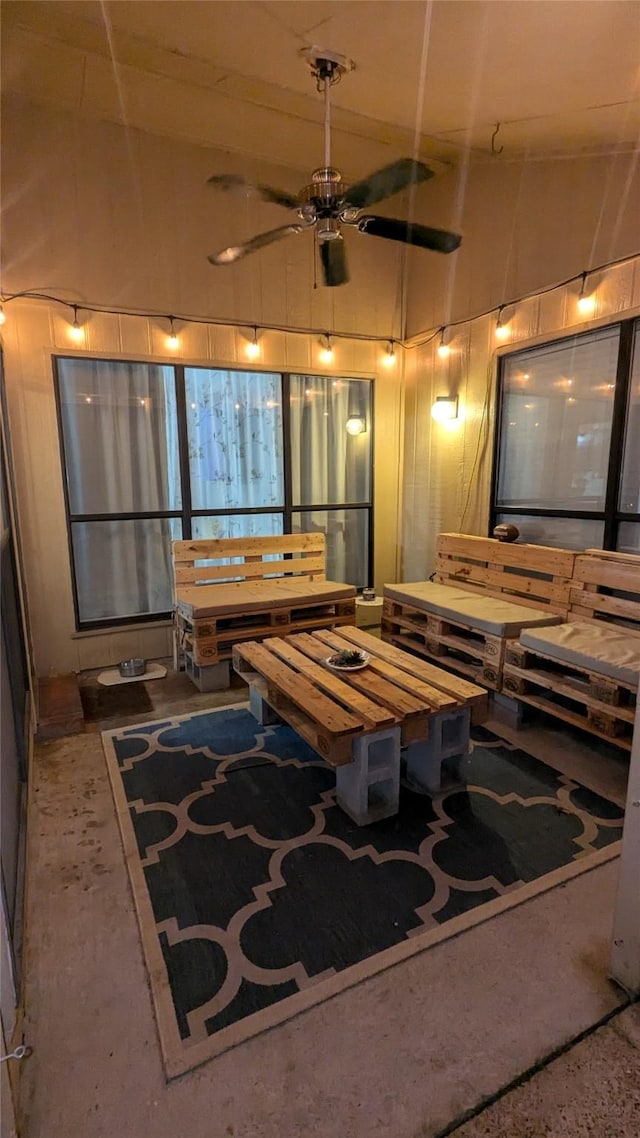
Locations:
(327, 202)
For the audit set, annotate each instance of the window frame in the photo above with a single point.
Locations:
(610, 515)
(186, 513)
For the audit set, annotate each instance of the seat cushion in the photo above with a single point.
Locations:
(489, 614)
(602, 648)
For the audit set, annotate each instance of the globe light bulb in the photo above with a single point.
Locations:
(253, 348)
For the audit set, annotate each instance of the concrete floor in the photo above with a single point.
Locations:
(408, 1052)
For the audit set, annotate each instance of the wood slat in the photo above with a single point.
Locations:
(249, 570)
(572, 717)
(299, 690)
(460, 573)
(614, 555)
(608, 574)
(460, 689)
(602, 602)
(316, 646)
(402, 703)
(542, 558)
(248, 546)
(336, 751)
(377, 717)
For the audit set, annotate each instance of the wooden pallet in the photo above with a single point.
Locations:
(579, 696)
(230, 590)
(452, 644)
(211, 639)
(607, 588)
(537, 576)
(210, 560)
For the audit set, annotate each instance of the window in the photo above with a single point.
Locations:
(153, 453)
(567, 471)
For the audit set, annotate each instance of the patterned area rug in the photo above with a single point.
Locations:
(258, 897)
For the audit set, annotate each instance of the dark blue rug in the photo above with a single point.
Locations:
(258, 897)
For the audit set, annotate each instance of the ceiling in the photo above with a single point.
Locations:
(561, 77)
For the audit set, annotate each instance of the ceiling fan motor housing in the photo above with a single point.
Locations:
(322, 201)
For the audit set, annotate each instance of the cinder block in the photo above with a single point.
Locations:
(368, 789)
(213, 677)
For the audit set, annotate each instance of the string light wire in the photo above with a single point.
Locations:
(415, 341)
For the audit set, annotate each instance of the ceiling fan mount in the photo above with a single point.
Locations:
(327, 202)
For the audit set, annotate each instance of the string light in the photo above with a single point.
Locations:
(172, 338)
(76, 331)
(389, 357)
(586, 301)
(253, 347)
(502, 330)
(326, 353)
(443, 349)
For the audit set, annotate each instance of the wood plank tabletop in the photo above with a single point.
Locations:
(394, 687)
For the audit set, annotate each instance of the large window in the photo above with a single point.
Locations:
(153, 453)
(567, 469)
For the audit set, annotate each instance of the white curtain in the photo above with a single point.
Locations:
(234, 422)
(331, 467)
(120, 439)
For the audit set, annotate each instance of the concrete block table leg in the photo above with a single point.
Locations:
(368, 788)
(448, 738)
(259, 708)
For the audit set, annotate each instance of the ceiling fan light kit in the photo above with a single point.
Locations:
(327, 202)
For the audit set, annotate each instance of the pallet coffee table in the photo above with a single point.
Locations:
(361, 721)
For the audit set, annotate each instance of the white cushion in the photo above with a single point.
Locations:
(600, 647)
(486, 613)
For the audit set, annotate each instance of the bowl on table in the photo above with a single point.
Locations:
(135, 666)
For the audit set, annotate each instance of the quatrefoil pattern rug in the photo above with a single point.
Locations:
(258, 897)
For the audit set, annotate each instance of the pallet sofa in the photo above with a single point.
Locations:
(228, 590)
(585, 671)
(484, 593)
(575, 655)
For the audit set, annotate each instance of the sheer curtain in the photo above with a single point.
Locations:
(234, 422)
(120, 439)
(330, 467)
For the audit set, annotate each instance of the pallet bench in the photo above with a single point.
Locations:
(586, 670)
(229, 590)
(485, 592)
(361, 722)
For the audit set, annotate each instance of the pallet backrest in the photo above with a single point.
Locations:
(222, 559)
(606, 588)
(537, 576)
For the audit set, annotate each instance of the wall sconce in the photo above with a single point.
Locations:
(445, 408)
(356, 425)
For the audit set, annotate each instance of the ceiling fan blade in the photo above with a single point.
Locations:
(439, 240)
(254, 189)
(334, 262)
(236, 252)
(387, 181)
